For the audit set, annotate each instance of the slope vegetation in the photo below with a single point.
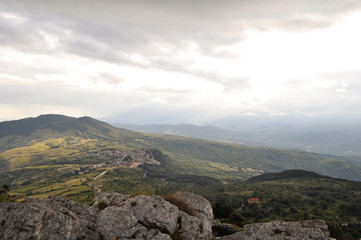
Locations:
(57, 139)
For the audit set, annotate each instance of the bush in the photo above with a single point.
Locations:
(102, 205)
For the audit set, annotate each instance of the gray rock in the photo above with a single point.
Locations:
(280, 230)
(154, 212)
(157, 235)
(222, 229)
(140, 217)
(114, 222)
(201, 209)
(111, 199)
(190, 227)
(52, 218)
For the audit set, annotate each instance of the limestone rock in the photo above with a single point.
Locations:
(154, 212)
(111, 199)
(201, 209)
(280, 230)
(140, 217)
(190, 227)
(222, 229)
(52, 218)
(114, 222)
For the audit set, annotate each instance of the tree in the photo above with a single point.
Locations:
(5, 188)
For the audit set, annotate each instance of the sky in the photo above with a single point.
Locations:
(164, 61)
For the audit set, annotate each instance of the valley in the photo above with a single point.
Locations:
(77, 158)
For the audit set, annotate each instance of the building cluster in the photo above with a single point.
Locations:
(127, 158)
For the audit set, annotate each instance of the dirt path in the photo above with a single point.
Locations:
(100, 175)
(96, 186)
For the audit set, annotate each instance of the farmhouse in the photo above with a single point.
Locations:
(253, 200)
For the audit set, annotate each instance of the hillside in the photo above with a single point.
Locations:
(60, 139)
(289, 174)
(54, 154)
(337, 138)
(294, 195)
(77, 157)
(188, 130)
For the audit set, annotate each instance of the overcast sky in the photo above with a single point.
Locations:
(179, 61)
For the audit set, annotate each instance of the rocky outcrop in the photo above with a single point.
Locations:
(311, 229)
(52, 218)
(203, 215)
(139, 217)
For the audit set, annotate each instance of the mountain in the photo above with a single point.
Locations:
(332, 134)
(78, 157)
(75, 157)
(193, 131)
(63, 139)
(338, 138)
(56, 124)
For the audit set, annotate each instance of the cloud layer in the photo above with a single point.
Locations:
(200, 60)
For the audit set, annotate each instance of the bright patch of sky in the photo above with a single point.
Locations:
(200, 61)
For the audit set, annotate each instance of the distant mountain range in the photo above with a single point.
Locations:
(50, 139)
(337, 138)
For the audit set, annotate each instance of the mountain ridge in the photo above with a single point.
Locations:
(288, 174)
(202, 157)
(328, 138)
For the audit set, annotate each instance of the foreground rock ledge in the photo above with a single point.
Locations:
(139, 217)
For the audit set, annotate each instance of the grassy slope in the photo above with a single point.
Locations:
(59, 139)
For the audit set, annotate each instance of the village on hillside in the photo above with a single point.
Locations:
(117, 158)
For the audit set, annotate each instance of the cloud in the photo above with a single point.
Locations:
(110, 78)
(110, 56)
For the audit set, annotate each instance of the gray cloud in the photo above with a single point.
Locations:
(114, 31)
(110, 78)
(132, 26)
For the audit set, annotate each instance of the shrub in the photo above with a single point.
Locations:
(102, 205)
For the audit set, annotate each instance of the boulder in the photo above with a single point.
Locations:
(190, 227)
(111, 199)
(201, 209)
(114, 222)
(280, 230)
(153, 212)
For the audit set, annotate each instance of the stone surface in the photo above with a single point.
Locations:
(280, 230)
(115, 222)
(111, 199)
(52, 218)
(201, 209)
(222, 229)
(190, 227)
(140, 217)
(154, 212)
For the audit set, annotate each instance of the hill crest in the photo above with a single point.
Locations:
(60, 123)
(288, 174)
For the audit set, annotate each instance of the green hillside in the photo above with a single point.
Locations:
(294, 195)
(57, 139)
(41, 156)
(76, 157)
(289, 174)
